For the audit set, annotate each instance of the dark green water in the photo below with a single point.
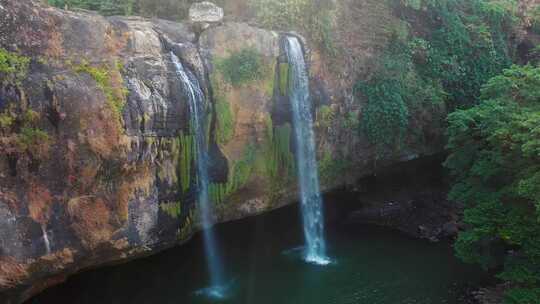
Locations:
(372, 266)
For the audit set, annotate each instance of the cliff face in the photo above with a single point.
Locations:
(110, 176)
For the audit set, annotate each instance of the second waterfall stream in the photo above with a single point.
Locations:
(308, 176)
(196, 101)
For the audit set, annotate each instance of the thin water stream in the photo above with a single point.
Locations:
(306, 161)
(196, 101)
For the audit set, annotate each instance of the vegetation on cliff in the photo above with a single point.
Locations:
(20, 133)
(443, 59)
(13, 67)
(495, 158)
(242, 67)
(109, 80)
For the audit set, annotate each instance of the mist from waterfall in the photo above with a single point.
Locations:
(196, 100)
(308, 177)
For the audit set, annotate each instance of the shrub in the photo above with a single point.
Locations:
(242, 67)
(495, 159)
(20, 134)
(13, 67)
(396, 89)
(385, 118)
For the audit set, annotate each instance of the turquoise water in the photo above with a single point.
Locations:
(372, 266)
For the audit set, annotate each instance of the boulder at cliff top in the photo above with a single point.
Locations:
(205, 12)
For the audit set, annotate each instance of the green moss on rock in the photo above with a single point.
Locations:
(239, 175)
(172, 209)
(20, 133)
(225, 121)
(109, 80)
(331, 168)
(13, 67)
(242, 67)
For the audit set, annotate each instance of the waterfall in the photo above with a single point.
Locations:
(197, 113)
(310, 195)
(46, 239)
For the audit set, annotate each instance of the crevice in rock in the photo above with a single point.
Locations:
(52, 113)
(12, 164)
(33, 166)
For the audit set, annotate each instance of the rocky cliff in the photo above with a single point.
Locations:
(97, 161)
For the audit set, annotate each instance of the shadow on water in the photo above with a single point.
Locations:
(372, 266)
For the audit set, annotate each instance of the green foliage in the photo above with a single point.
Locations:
(385, 118)
(469, 45)
(465, 45)
(315, 18)
(523, 296)
(325, 116)
(495, 158)
(20, 133)
(6, 121)
(13, 67)
(109, 80)
(31, 137)
(242, 67)
(173, 209)
(239, 175)
(396, 89)
(331, 168)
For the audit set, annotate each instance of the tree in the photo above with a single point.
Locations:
(495, 159)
